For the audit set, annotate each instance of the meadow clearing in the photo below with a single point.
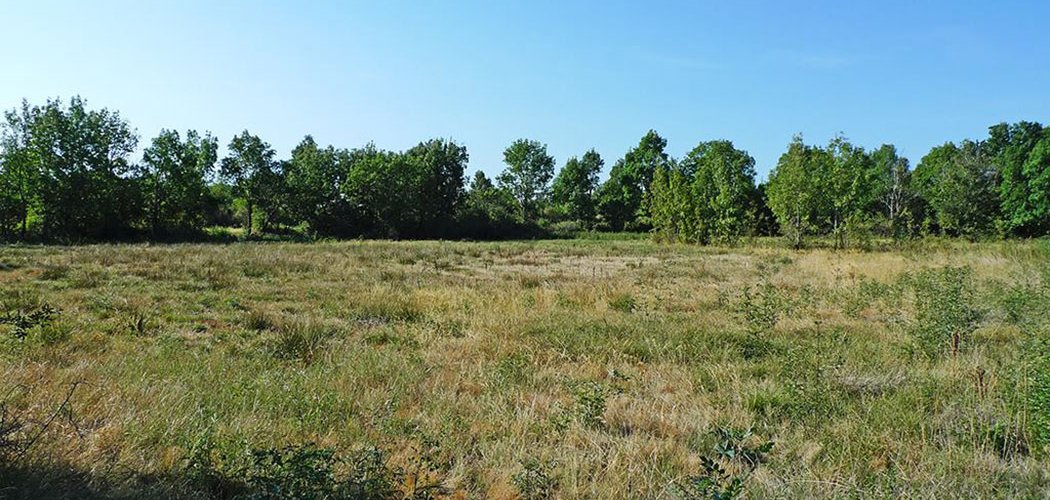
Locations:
(568, 368)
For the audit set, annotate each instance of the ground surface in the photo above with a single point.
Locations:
(595, 369)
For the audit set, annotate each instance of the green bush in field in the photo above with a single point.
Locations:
(1035, 391)
(535, 480)
(946, 312)
(301, 471)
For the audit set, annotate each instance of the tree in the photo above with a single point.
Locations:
(84, 190)
(20, 174)
(892, 188)
(251, 169)
(438, 170)
(960, 185)
(848, 185)
(672, 207)
(528, 175)
(1009, 147)
(1037, 169)
(379, 186)
(314, 177)
(488, 212)
(573, 190)
(795, 190)
(621, 198)
(174, 175)
(723, 179)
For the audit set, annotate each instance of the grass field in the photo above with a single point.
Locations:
(573, 368)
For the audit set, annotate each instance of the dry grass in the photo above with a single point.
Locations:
(611, 362)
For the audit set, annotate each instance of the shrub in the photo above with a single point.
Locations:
(26, 319)
(535, 481)
(945, 310)
(761, 308)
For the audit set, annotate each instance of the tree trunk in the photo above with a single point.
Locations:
(25, 222)
(248, 227)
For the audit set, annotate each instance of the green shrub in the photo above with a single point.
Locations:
(761, 307)
(28, 318)
(535, 481)
(946, 314)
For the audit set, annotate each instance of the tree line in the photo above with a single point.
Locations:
(67, 174)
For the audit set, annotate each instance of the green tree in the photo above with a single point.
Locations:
(488, 212)
(892, 189)
(250, 168)
(315, 177)
(173, 176)
(574, 189)
(438, 166)
(528, 175)
(849, 182)
(723, 179)
(1037, 169)
(795, 190)
(672, 206)
(83, 155)
(1009, 146)
(20, 174)
(380, 187)
(621, 197)
(959, 183)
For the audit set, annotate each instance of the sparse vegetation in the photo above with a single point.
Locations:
(611, 368)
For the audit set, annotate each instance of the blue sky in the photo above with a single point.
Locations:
(575, 75)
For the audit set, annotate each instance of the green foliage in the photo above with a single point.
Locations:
(315, 178)
(711, 483)
(1012, 148)
(23, 320)
(761, 307)
(959, 184)
(251, 169)
(736, 444)
(528, 175)
(300, 471)
(591, 400)
(173, 178)
(796, 191)
(573, 191)
(621, 199)
(535, 480)
(1032, 388)
(623, 302)
(946, 312)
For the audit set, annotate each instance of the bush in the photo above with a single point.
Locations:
(945, 309)
(534, 481)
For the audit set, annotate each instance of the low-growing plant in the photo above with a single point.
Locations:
(761, 307)
(711, 483)
(737, 444)
(946, 314)
(24, 320)
(301, 340)
(623, 302)
(535, 480)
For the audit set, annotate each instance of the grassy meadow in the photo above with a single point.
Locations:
(569, 369)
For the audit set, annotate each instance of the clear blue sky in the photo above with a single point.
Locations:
(575, 75)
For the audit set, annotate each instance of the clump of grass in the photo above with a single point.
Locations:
(623, 302)
(301, 340)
